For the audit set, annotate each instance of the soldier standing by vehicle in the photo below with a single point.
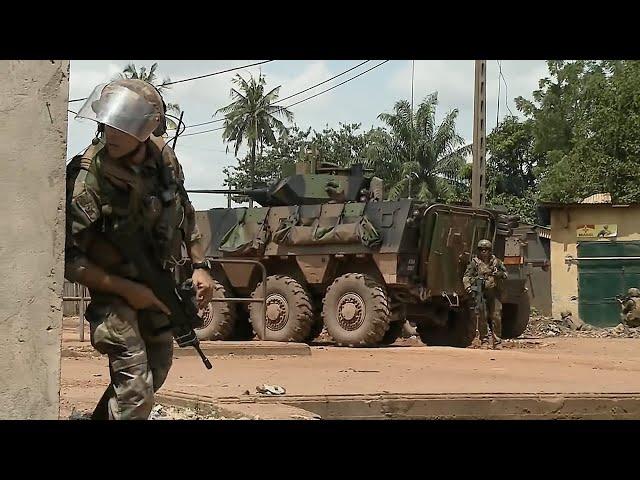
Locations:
(127, 181)
(491, 270)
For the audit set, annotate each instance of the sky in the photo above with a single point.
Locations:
(361, 100)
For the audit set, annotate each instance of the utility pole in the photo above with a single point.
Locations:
(478, 175)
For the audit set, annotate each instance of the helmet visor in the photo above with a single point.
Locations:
(121, 108)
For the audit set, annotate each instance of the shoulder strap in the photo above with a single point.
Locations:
(83, 164)
(90, 155)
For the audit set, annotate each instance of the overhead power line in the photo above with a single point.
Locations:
(304, 99)
(506, 91)
(337, 85)
(293, 95)
(196, 78)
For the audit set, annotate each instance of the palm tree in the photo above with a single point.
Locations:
(150, 76)
(252, 116)
(416, 156)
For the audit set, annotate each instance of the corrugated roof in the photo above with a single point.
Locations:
(543, 232)
(598, 198)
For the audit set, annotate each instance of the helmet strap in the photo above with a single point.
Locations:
(99, 131)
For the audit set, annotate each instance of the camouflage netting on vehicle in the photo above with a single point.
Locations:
(328, 230)
(249, 236)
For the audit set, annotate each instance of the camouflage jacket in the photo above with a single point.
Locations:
(99, 188)
(492, 272)
(631, 305)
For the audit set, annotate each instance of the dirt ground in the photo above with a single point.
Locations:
(553, 364)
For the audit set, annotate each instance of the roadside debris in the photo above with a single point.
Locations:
(568, 326)
(162, 412)
(270, 389)
(359, 371)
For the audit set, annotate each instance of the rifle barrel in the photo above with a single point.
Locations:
(232, 192)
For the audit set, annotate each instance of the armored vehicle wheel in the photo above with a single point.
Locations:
(356, 310)
(394, 332)
(459, 331)
(515, 317)
(219, 317)
(289, 312)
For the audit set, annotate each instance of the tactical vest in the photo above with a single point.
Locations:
(146, 197)
(485, 271)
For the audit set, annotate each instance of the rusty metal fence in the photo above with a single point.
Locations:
(74, 302)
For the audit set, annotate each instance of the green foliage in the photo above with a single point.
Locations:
(276, 160)
(579, 136)
(586, 120)
(421, 159)
(511, 157)
(253, 117)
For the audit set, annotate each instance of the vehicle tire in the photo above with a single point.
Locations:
(356, 311)
(289, 310)
(459, 331)
(515, 317)
(219, 317)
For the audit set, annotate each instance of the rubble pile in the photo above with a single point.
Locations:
(541, 327)
(170, 412)
(167, 412)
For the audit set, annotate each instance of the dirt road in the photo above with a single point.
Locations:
(552, 365)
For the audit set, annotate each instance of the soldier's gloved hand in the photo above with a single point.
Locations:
(203, 284)
(498, 273)
(141, 297)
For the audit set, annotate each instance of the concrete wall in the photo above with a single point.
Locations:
(540, 294)
(564, 221)
(33, 137)
(539, 282)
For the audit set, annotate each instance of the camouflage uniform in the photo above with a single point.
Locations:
(573, 323)
(139, 356)
(492, 272)
(631, 309)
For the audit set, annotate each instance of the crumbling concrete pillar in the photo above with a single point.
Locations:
(33, 138)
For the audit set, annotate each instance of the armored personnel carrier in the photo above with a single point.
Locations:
(337, 256)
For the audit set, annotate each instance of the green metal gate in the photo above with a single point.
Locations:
(605, 269)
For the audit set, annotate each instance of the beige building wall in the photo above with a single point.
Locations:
(33, 139)
(564, 222)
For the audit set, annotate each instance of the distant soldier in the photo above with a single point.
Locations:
(486, 266)
(573, 323)
(630, 315)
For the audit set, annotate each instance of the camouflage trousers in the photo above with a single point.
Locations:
(493, 318)
(139, 358)
(631, 319)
